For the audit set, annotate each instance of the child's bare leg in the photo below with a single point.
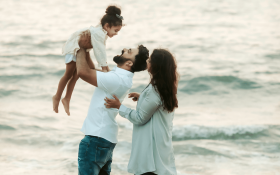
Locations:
(70, 87)
(71, 84)
(70, 68)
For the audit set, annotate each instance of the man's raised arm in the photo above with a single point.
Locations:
(83, 69)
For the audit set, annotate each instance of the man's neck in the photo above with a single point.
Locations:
(125, 67)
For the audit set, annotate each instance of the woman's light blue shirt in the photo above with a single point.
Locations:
(152, 149)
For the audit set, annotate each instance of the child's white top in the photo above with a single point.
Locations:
(98, 42)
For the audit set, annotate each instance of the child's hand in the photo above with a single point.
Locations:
(134, 96)
(85, 40)
(105, 68)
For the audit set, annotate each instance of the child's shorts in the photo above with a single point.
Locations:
(69, 58)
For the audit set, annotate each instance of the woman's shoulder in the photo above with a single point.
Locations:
(151, 91)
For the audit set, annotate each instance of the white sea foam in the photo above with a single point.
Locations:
(228, 59)
(190, 132)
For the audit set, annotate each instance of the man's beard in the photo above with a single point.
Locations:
(119, 59)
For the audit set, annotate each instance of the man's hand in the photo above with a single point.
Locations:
(112, 103)
(85, 40)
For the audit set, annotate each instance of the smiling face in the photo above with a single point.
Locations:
(127, 55)
(133, 59)
(130, 53)
(112, 31)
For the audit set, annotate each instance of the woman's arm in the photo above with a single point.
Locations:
(143, 113)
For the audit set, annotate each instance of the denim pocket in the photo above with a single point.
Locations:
(102, 154)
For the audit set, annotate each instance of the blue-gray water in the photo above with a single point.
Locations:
(228, 54)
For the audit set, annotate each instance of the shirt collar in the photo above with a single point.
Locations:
(123, 72)
(100, 26)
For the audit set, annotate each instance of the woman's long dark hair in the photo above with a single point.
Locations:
(165, 77)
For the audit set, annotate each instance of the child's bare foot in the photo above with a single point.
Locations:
(55, 103)
(66, 103)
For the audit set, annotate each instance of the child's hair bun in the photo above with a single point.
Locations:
(113, 10)
(112, 17)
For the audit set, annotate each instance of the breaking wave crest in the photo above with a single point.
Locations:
(193, 132)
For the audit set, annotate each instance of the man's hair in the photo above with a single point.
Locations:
(140, 63)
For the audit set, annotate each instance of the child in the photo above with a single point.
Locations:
(111, 24)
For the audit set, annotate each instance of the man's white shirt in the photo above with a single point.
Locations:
(100, 121)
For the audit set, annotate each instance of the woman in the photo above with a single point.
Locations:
(152, 150)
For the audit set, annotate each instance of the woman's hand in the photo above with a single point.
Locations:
(134, 96)
(112, 103)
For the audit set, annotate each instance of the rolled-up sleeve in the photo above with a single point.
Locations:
(144, 112)
(107, 81)
(99, 48)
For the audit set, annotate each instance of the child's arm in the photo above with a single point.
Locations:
(85, 42)
(98, 39)
(92, 66)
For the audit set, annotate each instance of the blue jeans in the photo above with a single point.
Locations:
(95, 156)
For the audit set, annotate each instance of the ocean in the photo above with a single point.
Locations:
(228, 56)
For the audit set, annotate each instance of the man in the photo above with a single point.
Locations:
(100, 127)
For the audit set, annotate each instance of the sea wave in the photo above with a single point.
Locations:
(34, 44)
(35, 73)
(205, 83)
(194, 132)
(6, 127)
(7, 92)
(15, 78)
(32, 56)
